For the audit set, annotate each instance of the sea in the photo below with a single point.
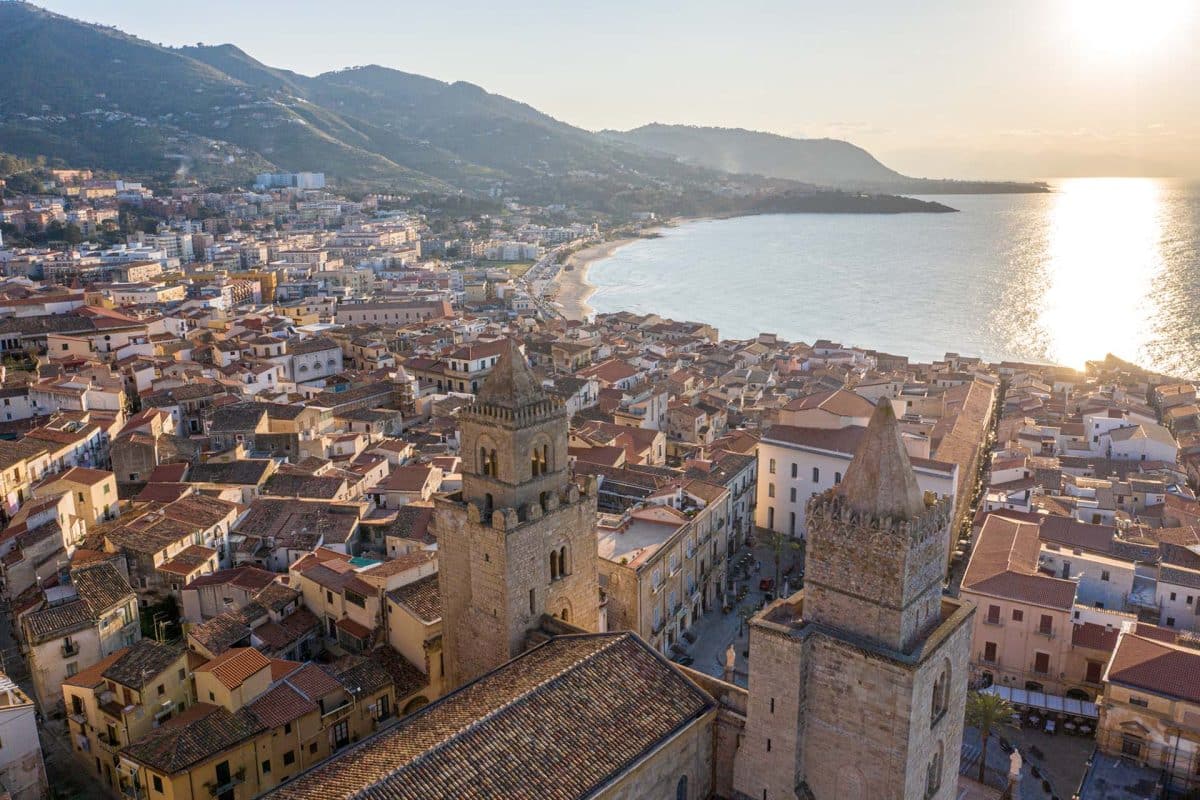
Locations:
(1096, 266)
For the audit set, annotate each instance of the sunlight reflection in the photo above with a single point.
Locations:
(1104, 255)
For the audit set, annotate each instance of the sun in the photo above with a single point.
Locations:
(1126, 28)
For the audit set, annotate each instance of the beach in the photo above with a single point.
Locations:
(572, 287)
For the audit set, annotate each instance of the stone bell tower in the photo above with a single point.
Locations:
(858, 682)
(519, 540)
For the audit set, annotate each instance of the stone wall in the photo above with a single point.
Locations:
(487, 569)
(687, 756)
(878, 579)
(769, 759)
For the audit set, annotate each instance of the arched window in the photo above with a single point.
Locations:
(494, 465)
(681, 789)
(553, 565)
(941, 694)
(545, 458)
(533, 463)
(562, 560)
(566, 615)
(933, 776)
(484, 464)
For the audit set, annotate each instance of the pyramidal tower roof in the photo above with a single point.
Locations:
(880, 479)
(511, 384)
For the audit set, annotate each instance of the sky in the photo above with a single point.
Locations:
(936, 88)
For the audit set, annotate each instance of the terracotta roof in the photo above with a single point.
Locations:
(84, 475)
(188, 560)
(598, 704)
(840, 402)
(1094, 636)
(243, 577)
(58, 621)
(423, 597)
(233, 667)
(313, 681)
(837, 440)
(196, 735)
(1157, 667)
(101, 585)
(281, 705)
(143, 662)
(1004, 563)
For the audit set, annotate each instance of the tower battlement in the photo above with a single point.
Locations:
(832, 508)
(511, 518)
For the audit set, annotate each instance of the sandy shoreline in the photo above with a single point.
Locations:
(572, 286)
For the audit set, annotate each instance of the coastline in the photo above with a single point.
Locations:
(572, 288)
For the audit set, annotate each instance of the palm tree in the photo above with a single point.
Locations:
(987, 711)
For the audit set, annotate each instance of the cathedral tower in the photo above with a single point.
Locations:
(858, 682)
(519, 540)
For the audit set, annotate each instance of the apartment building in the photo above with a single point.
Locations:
(663, 565)
(120, 699)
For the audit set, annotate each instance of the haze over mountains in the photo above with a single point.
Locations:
(87, 95)
(830, 162)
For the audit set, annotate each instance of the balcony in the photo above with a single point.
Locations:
(336, 714)
(70, 649)
(998, 621)
(218, 789)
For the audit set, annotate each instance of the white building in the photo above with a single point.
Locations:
(796, 463)
(22, 771)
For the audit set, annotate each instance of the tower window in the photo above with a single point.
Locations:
(532, 601)
(553, 565)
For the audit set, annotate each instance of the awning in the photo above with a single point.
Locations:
(1046, 702)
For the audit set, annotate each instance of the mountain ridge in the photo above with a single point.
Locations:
(215, 113)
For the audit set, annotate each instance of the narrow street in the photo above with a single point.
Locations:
(717, 630)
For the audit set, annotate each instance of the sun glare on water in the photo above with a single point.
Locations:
(1104, 256)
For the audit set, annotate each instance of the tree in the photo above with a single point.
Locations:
(781, 543)
(72, 234)
(987, 712)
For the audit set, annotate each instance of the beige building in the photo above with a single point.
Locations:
(414, 629)
(95, 492)
(258, 722)
(120, 699)
(662, 567)
(95, 616)
(1023, 629)
(1151, 708)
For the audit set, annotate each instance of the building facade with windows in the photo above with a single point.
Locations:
(797, 464)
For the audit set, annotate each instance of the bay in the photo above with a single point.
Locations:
(1098, 266)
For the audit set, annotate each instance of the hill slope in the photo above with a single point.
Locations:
(89, 95)
(828, 162)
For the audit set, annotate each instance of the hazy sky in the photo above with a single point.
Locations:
(964, 88)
